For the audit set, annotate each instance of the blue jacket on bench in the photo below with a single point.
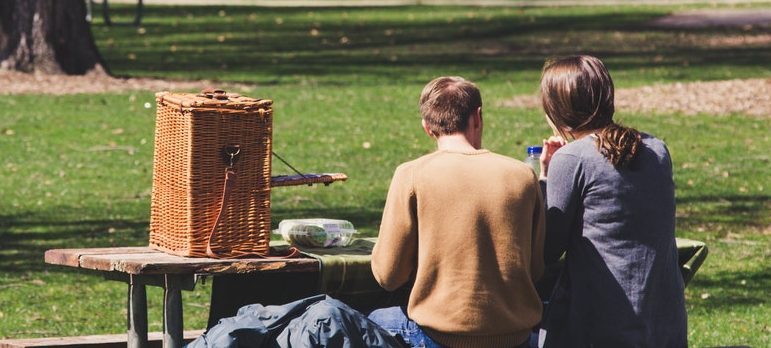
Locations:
(317, 321)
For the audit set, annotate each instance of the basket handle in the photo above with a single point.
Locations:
(231, 153)
(213, 93)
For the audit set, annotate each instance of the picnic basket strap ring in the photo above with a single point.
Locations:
(230, 154)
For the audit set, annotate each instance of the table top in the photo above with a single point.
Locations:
(146, 261)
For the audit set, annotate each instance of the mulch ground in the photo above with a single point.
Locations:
(12, 82)
(751, 97)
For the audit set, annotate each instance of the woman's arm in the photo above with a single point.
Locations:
(538, 235)
(550, 146)
(565, 183)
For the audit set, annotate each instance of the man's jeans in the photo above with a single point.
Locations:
(395, 321)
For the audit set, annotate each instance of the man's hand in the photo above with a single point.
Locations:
(550, 146)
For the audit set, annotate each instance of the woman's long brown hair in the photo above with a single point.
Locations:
(577, 96)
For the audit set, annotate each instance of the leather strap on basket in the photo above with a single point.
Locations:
(230, 181)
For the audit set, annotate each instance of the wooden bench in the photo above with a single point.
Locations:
(92, 341)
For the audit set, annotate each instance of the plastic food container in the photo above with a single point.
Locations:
(317, 233)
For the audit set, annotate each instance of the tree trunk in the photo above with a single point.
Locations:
(47, 36)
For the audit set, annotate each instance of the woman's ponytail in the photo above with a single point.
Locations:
(618, 144)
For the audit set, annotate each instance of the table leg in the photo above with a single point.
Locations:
(137, 314)
(172, 312)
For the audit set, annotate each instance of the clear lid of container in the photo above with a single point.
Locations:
(316, 232)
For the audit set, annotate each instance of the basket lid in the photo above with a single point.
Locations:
(212, 98)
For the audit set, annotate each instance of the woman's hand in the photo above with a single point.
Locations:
(550, 146)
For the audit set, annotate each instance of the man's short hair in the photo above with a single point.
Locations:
(447, 102)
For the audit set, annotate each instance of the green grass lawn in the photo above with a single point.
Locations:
(77, 169)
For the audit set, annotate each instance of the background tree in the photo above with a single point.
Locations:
(47, 36)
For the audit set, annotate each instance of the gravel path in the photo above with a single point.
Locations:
(751, 97)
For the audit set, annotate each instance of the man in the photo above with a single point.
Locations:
(465, 228)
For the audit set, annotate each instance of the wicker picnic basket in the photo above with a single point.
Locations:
(211, 175)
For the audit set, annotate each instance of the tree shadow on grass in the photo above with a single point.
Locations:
(717, 216)
(730, 289)
(25, 237)
(194, 42)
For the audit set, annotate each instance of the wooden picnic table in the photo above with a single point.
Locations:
(141, 266)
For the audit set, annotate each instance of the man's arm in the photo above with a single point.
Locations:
(394, 257)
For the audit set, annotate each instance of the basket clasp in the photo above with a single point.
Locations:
(214, 93)
(230, 154)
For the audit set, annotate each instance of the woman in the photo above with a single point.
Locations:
(611, 210)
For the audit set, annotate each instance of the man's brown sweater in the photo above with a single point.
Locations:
(468, 228)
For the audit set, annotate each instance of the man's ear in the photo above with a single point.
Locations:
(426, 129)
(476, 118)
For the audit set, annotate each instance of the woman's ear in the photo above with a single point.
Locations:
(554, 129)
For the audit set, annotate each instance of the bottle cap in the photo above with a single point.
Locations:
(534, 149)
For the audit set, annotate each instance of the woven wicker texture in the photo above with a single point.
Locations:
(192, 133)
